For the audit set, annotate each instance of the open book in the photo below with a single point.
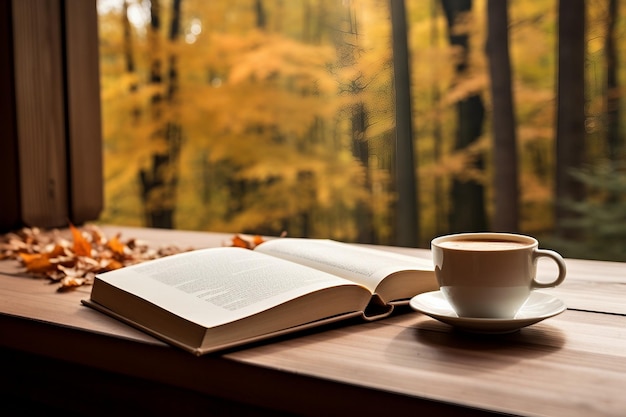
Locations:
(211, 299)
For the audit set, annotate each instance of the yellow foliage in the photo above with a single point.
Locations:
(274, 110)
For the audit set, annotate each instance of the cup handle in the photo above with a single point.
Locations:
(560, 262)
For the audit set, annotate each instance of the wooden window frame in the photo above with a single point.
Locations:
(51, 152)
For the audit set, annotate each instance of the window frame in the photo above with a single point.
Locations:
(51, 156)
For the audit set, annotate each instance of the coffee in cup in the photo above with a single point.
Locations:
(490, 275)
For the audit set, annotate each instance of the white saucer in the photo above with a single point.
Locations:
(539, 306)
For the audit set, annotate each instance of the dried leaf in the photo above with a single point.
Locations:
(113, 264)
(257, 240)
(240, 242)
(71, 282)
(37, 263)
(117, 247)
(81, 246)
(248, 242)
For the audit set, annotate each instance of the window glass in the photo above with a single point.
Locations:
(248, 116)
(264, 116)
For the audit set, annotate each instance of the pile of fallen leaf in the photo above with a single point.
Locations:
(74, 260)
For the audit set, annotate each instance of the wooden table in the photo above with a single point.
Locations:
(58, 355)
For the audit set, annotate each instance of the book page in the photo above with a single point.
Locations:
(363, 265)
(219, 285)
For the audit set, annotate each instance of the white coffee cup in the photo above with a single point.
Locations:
(489, 275)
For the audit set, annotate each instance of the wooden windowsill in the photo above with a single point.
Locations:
(573, 364)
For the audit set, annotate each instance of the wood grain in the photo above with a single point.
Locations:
(573, 364)
(83, 110)
(40, 112)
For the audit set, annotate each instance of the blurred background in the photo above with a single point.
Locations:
(372, 121)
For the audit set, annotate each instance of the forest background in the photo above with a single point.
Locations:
(372, 121)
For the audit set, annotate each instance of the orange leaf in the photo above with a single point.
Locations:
(36, 262)
(116, 246)
(113, 264)
(56, 251)
(240, 242)
(81, 246)
(71, 282)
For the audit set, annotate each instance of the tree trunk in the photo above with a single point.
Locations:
(407, 223)
(128, 44)
(612, 89)
(159, 183)
(439, 198)
(506, 189)
(467, 211)
(261, 16)
(360, 150)
(570, 128)
(130, 58)
(346, 42)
